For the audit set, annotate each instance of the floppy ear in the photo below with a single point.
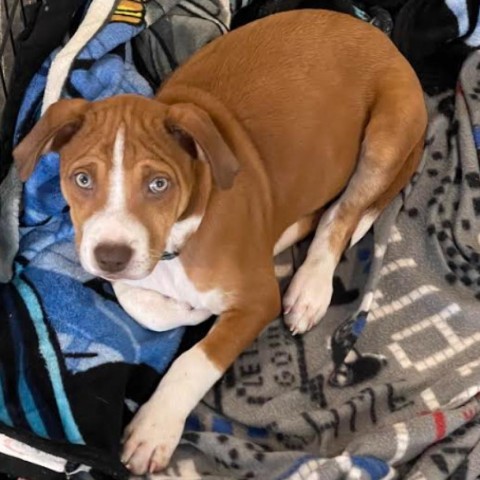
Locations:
(196, 133)
(54, 129)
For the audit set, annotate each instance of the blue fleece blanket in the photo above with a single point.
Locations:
(57, 314)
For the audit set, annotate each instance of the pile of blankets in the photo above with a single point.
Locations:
(387, 385)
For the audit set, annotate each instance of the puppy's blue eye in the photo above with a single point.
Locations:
(158, 185)
(84, 180)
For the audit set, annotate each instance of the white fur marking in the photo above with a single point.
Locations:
(155, 311)
(114, 224)
(156, 428)
(170, 279)
(364, 226)
(181, 231)
(308, 296)
(116, 196)
(194, 374)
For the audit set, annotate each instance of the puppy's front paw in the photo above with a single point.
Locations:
(151, 438)
(308, 296)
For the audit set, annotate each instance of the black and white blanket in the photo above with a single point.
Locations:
(386, 385)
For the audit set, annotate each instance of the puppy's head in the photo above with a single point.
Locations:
(129, 167)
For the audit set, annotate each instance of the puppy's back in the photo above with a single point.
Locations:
(302, 84)
(283, 53)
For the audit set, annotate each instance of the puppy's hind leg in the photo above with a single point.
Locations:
(391, 151)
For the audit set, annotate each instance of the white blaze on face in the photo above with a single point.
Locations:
(114, 224)
(116, 195)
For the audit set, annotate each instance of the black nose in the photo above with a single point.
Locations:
(112, 257)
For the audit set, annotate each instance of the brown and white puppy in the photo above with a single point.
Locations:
(231, 163)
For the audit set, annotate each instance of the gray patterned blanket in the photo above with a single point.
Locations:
(394, 389)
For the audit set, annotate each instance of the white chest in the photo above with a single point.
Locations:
(169, 279)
